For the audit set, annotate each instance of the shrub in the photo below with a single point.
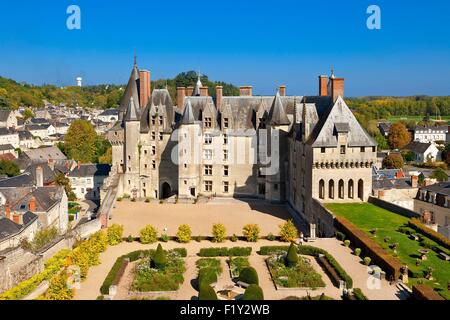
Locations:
(198, 238)
(249, 275)
(271, 237)
(253, 293)
(367, 260)
(288, 231)
(58, 289)
(182, 252)
(219, 232)
(184, 233)
(357, 293)
(430, 233)
(347, 243)
(130, 238)
(251, 232)
(225, 252)
(164, 238)
(114, 233)
(207, 276)
(234, 238)
(44, 237)
(148, 235)
(340, 236)
(357, 252)
(159, 258)
(268, 250)
(206, 292)
(291, 257)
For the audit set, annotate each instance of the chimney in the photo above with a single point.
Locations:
(32, 204)
(181, 93)
(219, 95)
(204, 91)
(246, 91)
(337, 88)
(51, 164)
(323, 86)
(39, 176)
(282, 90)
(18, 218)
(144, 87)
(189, 91)
(414, 181)
(8, 211)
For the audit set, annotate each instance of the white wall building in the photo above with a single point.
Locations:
(430, 134)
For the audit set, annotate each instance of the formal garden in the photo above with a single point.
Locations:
(404, 241)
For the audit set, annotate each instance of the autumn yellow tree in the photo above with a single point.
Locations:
(399, 136)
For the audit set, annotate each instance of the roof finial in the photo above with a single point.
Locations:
(332, 72)
(135, 57)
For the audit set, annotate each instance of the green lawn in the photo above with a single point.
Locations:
(416, 118)
(367, 217)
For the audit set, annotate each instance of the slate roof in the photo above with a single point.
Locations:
(109, 112)
(417, 147)
(44, 154)
(431, 128)
(6, 131)
(90, 170)
(131, 91)
(440, 188)
(133, 112)
(188, 114)
(39, 121)
(277, 114)
(4, 147)
(4, 114)
(8, 228)
(23, 180)
(25, 135)
(34, 127)
(49, 175)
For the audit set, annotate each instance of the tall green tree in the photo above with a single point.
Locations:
(81, 142)
(10, 168)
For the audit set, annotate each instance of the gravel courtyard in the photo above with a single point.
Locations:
(200, 217)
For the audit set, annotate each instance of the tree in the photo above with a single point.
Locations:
(399, 136)
(10, 168)
(253, 293)
(58, 288)
(62, 180)
(249, 275)
(159, 258)
(184, 233)
(393, 161)
(206, 292)
(292, 257)
(439, 174)
(219, 232)
(81, 142)
(288, 231)
(251, 232)
(148, 235)
(381, 142)
(28, 114)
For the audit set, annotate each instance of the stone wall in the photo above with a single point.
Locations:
(325, 220)
(394, 208)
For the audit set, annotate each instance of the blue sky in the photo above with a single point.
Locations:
(260, 43)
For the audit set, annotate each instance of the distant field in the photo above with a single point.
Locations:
(416, 118)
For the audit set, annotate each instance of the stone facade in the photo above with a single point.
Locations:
(220, 147)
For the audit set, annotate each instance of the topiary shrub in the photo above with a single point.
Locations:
(251, 232)
(253, 293)
(292, 257)
(164, 238)
(159, 259)
(340, 236)
(288, 231)
(206, 292)
(207, 276)
(271, 237)
(148, 235)
(219, 232)
(184, 233)
(347, 243)
(367, 260)
(114, 234)
(357, 252)
(234, 238)
(249, 275)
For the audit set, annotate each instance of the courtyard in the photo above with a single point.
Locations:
(234, 214)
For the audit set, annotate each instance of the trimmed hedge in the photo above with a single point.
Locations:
(311, 251)
(253, 293)
(206, 277)
(225, 252)
(380, 257)
(430, 233)
(291, 257)
(424, 292)
(357, 293)
(249, 275)
(206, 292)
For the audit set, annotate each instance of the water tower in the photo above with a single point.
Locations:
(79, 81)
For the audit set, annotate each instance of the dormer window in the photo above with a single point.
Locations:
(363, 149)
(160, 120)
(208, 122)
(342, 149)
(208, 139)
(153, 120)
(225, 123)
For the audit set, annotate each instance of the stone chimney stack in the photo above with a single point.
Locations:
(414, 181)
(39, 176)
(181, 93)
(204, 91)
(32, 204)
(246, 91)
(144, 87)
(337, 88)
(219, 95)
(282, 90)
(323, 86)
(8, 211)
(189, 91)
(18, 218)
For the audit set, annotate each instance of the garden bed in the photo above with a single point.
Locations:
(236, 265)
(225, 252)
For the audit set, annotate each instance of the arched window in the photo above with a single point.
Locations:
(361, 189)
(331, 189)
(322, 189)
(341, 189)
(350, 189)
